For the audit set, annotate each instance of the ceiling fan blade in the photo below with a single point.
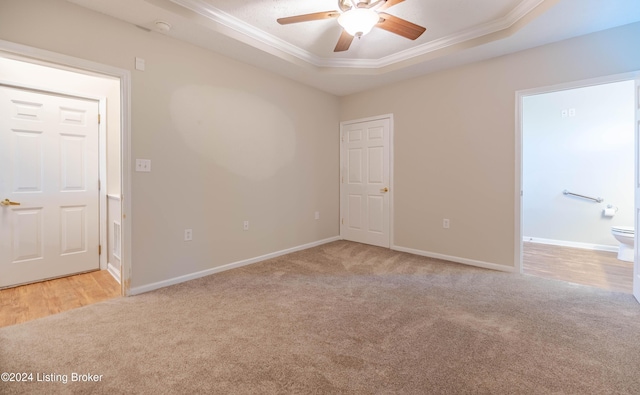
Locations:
(344, 42)
(309, 17)
(388, 4)
(400, 26)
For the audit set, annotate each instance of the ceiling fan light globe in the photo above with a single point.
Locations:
(358, 21)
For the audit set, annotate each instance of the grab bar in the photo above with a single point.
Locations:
(598, 199)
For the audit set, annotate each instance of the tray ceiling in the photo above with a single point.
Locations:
(458, 31)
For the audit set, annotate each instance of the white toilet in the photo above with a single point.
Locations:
(625, 235)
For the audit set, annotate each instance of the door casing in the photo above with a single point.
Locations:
(70, 63)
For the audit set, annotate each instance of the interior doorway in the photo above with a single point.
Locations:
(40, 70)
(576, 161)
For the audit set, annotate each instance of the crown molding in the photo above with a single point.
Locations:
(250, 35)
(497, 25)
(248, 31)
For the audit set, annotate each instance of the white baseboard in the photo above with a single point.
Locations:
(465, 261)
(115, 272)
(229, 266)
(573, 244)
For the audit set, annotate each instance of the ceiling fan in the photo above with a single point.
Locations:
(358, 17)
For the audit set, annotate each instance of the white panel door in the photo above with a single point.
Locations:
(49, 219)
(365, 182)
(636, 261)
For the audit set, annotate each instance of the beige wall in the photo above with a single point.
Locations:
(455, 139)
(228, 142)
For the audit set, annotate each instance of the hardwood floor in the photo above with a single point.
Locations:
(28, 302)
(595, 268)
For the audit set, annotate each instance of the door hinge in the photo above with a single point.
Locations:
(342, 139)
(343, 179)
(342, 221)
(99, 185)
(99, 249)
(98, 119)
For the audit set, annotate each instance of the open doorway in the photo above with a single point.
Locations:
(577, 183)
(64, 78)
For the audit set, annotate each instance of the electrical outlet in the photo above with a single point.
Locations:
(572, 112)
(143, 165)
(445, 223)
(564, 113)
(317, 215)
(188, 234)
(245, 225)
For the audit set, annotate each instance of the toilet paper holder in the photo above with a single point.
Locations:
(610, 211)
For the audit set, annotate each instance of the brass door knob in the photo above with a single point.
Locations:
(385, 189)
(7, 202)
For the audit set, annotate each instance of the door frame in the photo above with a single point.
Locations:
(391, 170)
(518, 193)
(69, 63)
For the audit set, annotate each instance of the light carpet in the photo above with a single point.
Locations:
(340, 318)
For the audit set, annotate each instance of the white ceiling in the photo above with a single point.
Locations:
(458, 32)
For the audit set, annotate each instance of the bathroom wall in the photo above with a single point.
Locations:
(580, 140)
(114, 234)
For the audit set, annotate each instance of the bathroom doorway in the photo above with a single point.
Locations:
(576, 151)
